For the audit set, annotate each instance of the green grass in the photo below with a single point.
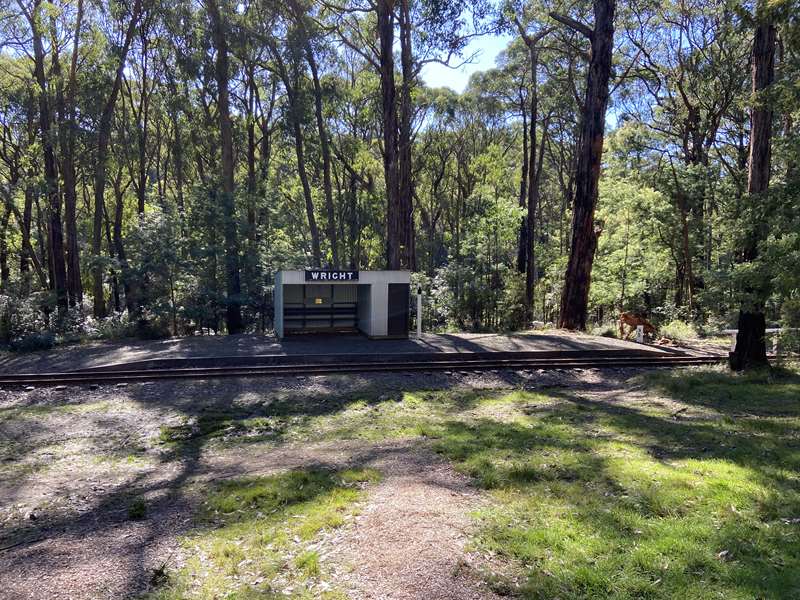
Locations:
(137, 509)
(38, 411)
(688, 489)
(613, 500)
(252, 535)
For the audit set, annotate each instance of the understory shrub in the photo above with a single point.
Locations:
(32, 342)
(789, 341)
(113, 327)
(678, 330)
(608, 330)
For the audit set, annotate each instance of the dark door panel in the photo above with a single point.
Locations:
(398, 309)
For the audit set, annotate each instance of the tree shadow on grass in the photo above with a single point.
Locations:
(583, 467)
(194, 416)
(253, 530)
(604, 499)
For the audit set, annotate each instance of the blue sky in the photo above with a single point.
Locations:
(487, 47)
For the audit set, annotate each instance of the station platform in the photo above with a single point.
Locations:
(227, 349)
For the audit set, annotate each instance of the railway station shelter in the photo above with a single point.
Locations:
(316, 301)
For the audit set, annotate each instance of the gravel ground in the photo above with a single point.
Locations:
(73, 459)
(410, 540)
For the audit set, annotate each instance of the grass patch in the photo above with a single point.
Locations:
(688, 489)
(137, 509)
(253, 534)
(308, 563)
(221, 425)
(692, 491)
(619, 500)
(38, 411)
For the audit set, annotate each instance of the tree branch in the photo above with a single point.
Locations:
(573, 24)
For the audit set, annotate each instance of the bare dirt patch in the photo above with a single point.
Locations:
(411, 539)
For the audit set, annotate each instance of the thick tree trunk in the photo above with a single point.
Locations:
(233, 309)
(5, 272)
(326, 157)
(394, 227)
(405, 177)
(575, 295)
(751, 350)
(103, 140)
(65, 107)
(533, 185)
(522, 238)
(55, 235)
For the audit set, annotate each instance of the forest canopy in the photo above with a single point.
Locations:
(161, 161)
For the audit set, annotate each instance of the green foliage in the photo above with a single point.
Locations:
(258, 529)
(137, 509)
(680, 331)
(610, 330)
(672, 206)
(33, 342)
(630, 262)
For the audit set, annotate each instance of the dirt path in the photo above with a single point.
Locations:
(410, 540)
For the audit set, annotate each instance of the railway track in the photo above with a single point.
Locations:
(397, 363)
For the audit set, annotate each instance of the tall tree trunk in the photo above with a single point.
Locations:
(751, 350)
(533, 184)
(394, 230)
(326, 157)
(141, 137)
(65, 107)
(252, 182)
(177, 156)
(27, 254)
(233, 309)
(532, 171)
(117, 248)
(296, 121)
(5, 273)
(57, 262)
(405, 176)
(299, 148)
(103, 140)
(522, 238)
(575, 295)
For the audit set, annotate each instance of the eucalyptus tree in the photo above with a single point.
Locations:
(691, 71)
(426, 32)
(750, 343)
(575, 295)
(532, 31)
(128, 28)
(218, 11)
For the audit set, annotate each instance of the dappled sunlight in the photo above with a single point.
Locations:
(598, 499)
(669, 484)
(253, 534)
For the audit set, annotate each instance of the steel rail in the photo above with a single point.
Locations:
(328, 368)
